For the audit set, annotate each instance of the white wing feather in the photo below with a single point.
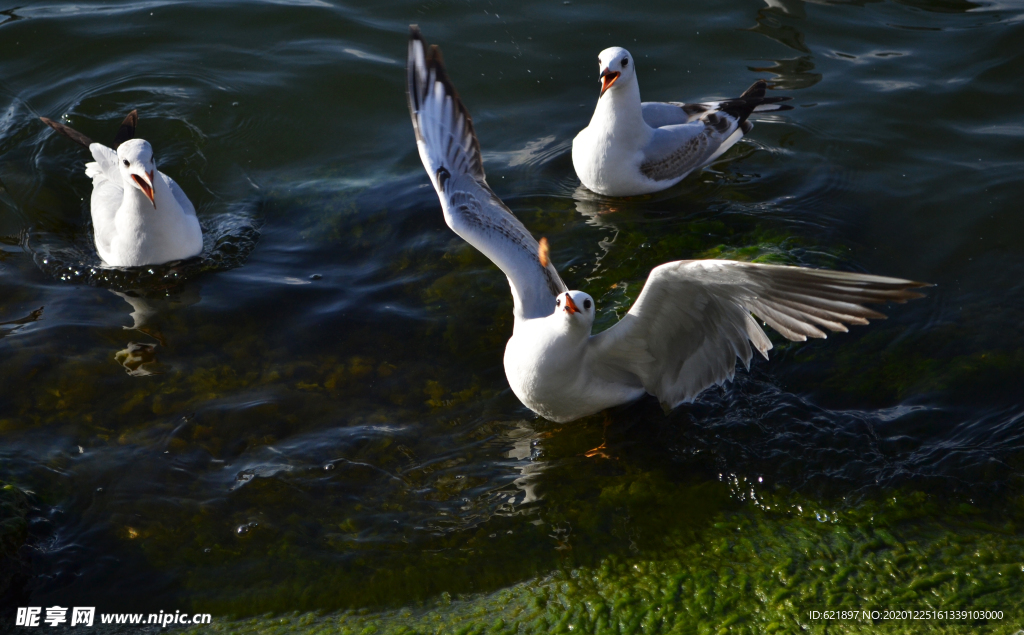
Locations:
(451, 155)
(179, 195)
(107, 194)
(693, 319)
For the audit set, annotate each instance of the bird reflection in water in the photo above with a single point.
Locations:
(140, 358)
(526, 448)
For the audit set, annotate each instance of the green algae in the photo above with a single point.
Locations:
(760, 568)
(387, 525)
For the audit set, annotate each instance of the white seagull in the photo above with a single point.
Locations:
(690, 323)
(139, 216)
(634, 148)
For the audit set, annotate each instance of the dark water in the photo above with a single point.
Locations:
(315, 415)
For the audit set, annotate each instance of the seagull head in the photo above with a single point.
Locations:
(135, 160)
(576, 309)
(616, 66)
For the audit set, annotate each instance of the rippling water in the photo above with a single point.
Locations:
(315, 414)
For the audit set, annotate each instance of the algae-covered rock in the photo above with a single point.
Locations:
(764, 568)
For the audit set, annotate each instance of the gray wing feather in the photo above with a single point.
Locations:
(693, 319)
(450, 153)
(671, 113)
(675, 151)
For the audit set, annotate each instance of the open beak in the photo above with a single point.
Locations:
(570, 306)
(608, 78)
(146, 185)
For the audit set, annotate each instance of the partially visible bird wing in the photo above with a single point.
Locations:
(127, 129)
(106, 164)
(107, 194)
(693, 319)
(68, 132)
(451, 155)
(179, 194)
(674, 151)
(669, 113)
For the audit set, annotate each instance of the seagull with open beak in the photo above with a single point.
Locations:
(140, 216)
(608, 77)
(135, 161)
(687, 328)
(633, 147)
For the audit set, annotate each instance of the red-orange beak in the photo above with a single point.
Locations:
(608, 78)
(146, 185)
(570, 306)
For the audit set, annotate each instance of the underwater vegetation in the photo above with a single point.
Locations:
(760, 567)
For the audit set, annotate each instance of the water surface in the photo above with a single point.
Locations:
(315, 417)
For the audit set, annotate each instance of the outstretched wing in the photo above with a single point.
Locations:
(693, 319)
(451, 155)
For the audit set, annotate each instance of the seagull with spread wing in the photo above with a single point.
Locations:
(139, 216)
(634, 148)
(685, 331)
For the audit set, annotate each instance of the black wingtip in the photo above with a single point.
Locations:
(68, 132)
(751, 99)
(127, 129)
(756, 90)
(433, 65)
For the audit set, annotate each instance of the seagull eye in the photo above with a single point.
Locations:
(126, 164)
(586, 304)
(625, 62)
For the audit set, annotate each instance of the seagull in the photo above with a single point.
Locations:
(139, 216)
(687, 327)
(633, 148)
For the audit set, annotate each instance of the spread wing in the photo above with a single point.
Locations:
(451, 155)
(693, 319)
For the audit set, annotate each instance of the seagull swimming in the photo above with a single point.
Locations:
(139, 216)
(685, 331)
(634, 148)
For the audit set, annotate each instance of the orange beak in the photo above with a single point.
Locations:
(607, 79)
(570, 306)
(146, 185)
